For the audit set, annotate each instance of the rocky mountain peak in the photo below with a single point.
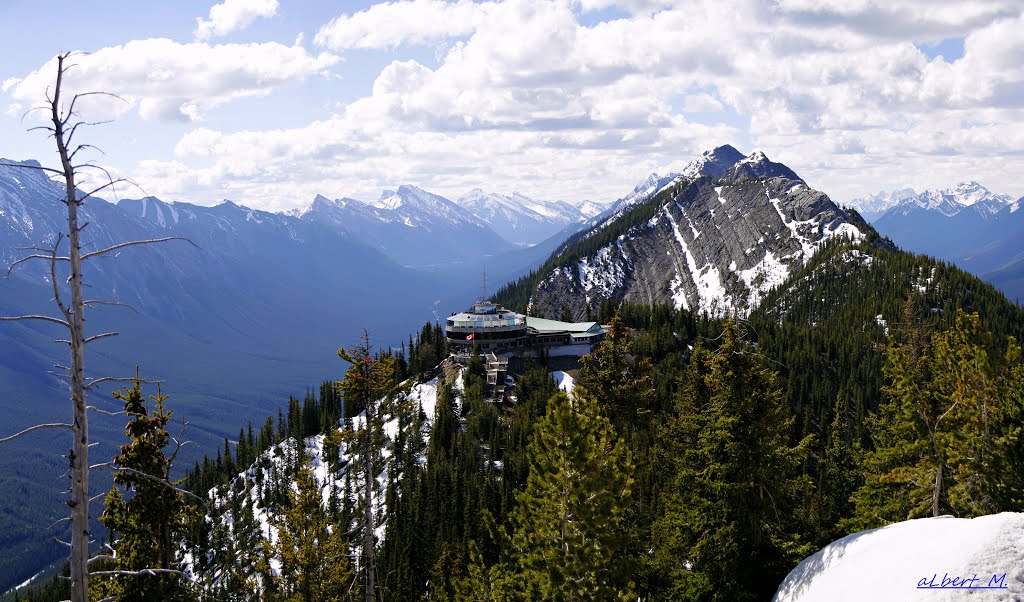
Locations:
(713, 163)
(758, 166)
(715, 245)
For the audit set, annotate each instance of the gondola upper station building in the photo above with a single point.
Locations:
(491, 328)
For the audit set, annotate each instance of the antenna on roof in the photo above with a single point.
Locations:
(484, 298)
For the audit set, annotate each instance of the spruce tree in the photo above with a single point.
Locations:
(568, 522)
(726, 529)
(366, 387)
(144, 526)
(313, 553)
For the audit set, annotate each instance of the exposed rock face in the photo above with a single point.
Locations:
(713, 246)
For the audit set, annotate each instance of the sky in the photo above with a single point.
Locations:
(271, 102)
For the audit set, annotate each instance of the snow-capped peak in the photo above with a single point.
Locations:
(521, 219)
(713, 162)
(388, 200)
(754, 157)
(876, 204)
(947, 201)
(971, 193)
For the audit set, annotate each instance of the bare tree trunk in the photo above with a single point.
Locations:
(937, 491)
(368, 543)
(79, 458)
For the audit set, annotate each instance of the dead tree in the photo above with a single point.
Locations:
(63, 125)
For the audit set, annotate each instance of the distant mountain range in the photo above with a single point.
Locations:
(252, 312)
(969, 225)
(420, 229)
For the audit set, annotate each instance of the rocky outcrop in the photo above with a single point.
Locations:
(712, 245)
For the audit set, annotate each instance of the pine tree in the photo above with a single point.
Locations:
(144, 527)
(313, 554)
(568, 522)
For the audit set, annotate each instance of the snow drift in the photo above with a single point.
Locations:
(931, 559)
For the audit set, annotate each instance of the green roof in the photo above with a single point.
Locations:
(543, 325)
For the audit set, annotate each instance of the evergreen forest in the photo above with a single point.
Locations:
(696, 458)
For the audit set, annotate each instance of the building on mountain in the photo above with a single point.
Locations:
(490, 328)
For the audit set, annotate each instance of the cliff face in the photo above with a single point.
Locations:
(714, 245)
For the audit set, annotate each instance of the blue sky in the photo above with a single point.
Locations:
(270, 102)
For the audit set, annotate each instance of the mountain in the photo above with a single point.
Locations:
(915, 560)
(969, 225)
(948, 202)
(713, 163)
(411, 226)
(871, 207)
(251, 312)
(522, 220)
(715, 241)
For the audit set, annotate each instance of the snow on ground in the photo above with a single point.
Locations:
(910, 561)
(564, 381)
(712, 297)
(274, 461)
(762, 277)
(604, 272)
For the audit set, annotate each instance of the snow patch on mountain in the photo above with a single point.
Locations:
(712, 295)
(602, 274)
(762, 277)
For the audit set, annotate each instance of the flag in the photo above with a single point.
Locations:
(470, 336)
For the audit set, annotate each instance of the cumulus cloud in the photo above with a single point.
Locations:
(404, 22)
(167, 80)
(232, 15)
(839, 90)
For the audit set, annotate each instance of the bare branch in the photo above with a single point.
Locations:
(83, 147)
(113, 468)
(39, 167)
(104, 412)
(58, 521)
(62, 542)
(88, 302)
(71, 132)
(134, 243)
(100, 557)
(107, 185)
(152, 572)
(97, 337)
(33, 256)
(74, 99)
(121, 379)
(178, 444)
(42, 318)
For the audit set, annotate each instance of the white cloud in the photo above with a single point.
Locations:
(701, 103)
(404, 22)
(528, 97)
(167, 80)
(232, 15)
